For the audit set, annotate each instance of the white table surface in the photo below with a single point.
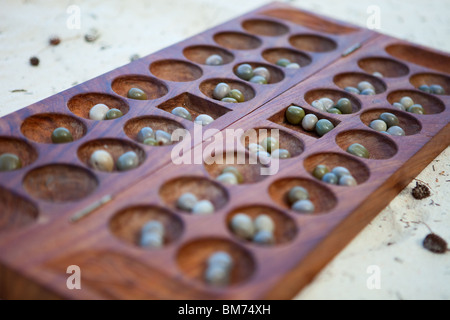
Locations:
(392, 242)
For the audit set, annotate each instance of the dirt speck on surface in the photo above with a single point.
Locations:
(435, 243)
(134, 57)
(34, 61)
(92, 35)
(54, 41)
(420, 191)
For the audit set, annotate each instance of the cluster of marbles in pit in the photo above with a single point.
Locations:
(342, 106)
(149, 137)
(364, 88)
(286, 63)
(219, 266)
(338, 175)
(259, 75)
(102, 160)
(202, 119)
(101, 111)
(224, 93)
(268, 148)
(259, 230)
(407, 104)
(231, 176)
(299, 200)
(152, 234)
(188, 202)
(387, 123)
(433, 89)
(296, 115)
